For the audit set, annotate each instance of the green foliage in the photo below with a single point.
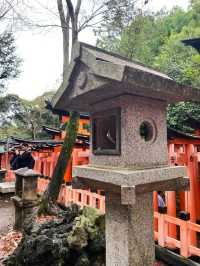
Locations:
(155, 40)
(177, 114)
(9, 61)
(117, 16)
(25, 119)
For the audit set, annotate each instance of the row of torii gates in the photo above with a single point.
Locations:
(171, 230)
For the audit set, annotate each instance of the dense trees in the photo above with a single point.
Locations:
(9, 62)
(155, 40)
(22, 118)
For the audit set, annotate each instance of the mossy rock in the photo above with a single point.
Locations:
(76, 238)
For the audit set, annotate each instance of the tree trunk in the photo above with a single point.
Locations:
(64, 20)
(51, 194)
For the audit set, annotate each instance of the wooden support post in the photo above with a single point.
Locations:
(191, 198)
(184, 239)
(155, 207)
(171, 211)
(68, 174)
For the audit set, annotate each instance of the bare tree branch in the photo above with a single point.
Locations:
(98, 12)
(77, 10)
(46, 25)
(5, 8)
(73, 21)
(4, 13)
(64, 19)
(49, 10)
(70, 8)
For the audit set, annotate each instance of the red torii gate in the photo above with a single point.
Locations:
(183, 150)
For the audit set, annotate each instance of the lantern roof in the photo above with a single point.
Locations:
(95, 75)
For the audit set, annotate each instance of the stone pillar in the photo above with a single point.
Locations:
(25, 198)
(129, 231)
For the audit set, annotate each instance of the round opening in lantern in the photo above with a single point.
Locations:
(147, 131)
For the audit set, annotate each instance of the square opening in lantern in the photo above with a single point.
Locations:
(106, 132)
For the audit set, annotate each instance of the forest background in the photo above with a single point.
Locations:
(154, 39)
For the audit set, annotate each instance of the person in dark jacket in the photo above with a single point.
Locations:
(15, 155)
(25, 159)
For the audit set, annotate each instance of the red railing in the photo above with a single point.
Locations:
(167, 226)
(186, 228)
(164, 221)
(81, 197)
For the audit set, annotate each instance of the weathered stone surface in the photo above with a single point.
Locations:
(135, 151)
(114, 177)
(59, 242)
(26, 195)
(26, 172)
(7, 187)
(129, 231)
(89, 76)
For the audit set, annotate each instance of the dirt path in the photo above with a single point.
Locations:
(6, 214)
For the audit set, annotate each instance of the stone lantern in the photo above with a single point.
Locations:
(127, 103)
(25, 199)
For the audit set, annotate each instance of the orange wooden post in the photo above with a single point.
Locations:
(44, 166)
(191, 194)
(171, 148)
(197, 165)
(184, 239)
(196, 185)
(162, 230)
(155, 206)
(4, 161)
(75, 157)
(171, 195)
(171, 211)
(68, 173)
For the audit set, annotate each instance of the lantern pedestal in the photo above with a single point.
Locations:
(129, 234)
(129, 208)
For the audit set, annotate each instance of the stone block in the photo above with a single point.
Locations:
(7, 187)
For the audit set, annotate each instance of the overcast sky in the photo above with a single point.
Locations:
(42, 56)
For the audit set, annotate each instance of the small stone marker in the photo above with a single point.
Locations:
(25, 198)
(128, 160)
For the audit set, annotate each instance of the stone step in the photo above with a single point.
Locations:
(7, 187)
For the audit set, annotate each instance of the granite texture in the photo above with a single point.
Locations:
(25, 198)
(129, 234)
(129, 177)
(134, 150)
(94, 75)
(29, 188)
